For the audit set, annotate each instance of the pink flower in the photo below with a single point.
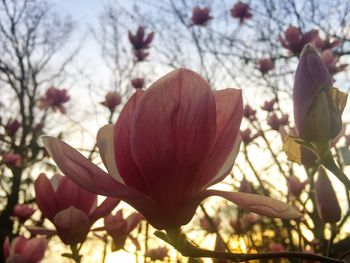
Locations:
(12, 159)
(247, 136)
(326, 200)
(119, 228)
(294, 40)
(70, 208)
(265, 65)
(200, 16)
(327, 43)
(269, 105)
(12, 127)
(295, 186)
(275, 122)
(249, 113)
(23, 250)
(54, 98)
(159, 158)
(330, 60)
(139, 41)
(241, 11)
(138, 83)
(23, 212)
(276, 247)
(311, 98)
(245, 186)
(157, 253)
(112, 100)
(207, 226)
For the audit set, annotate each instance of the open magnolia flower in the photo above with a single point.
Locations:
(168, 146)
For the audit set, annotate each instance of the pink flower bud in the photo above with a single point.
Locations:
(247, 137)
(265, 65)
(12, 159)
(112, 100)
(275, 123)
(23, 212)
(269, 105)
(25, 250)
(326, 200)
(241, 11)
(311, 98)
(157, 253)
(138, 40)
(54, 98)
(138, 83)
(12, 127)
(200, 16)
(249, 113)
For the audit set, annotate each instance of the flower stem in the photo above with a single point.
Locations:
(75, 253)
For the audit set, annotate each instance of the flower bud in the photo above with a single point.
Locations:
(112, 100)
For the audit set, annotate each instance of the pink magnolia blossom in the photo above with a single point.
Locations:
(139, 40)
(170, 143)
(265, 65)
(138, 83)
(249, 113)
(241, 11)
(294, 40)
(12, 159)
(70, 208)
(23, 250)
(275, 122)
(12, 127)
(331, 60)
(207, 226)
(200, 16)
(157, 253)
(112, 100)
(295, 186)
(119, 228)
(247, 136)
(327, 43)
(54, 98)
(269, 105)
(326, 199)
(23, 212)
(245, 186)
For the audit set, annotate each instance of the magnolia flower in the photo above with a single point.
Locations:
(70, 208)
(247, 136)
(313, 105)
(200, 16)
(207, 225)
(241, 11)
(23, 212)
(294, 40)
(245, 186)
(139, 41)
(265, 65)
(12, 159)
(112, 100)
(249, 113)
(157, 253)
(54, 98)
(326, 200)
(119, 228)
(22, 250)
(295, 186)
(331, 60)
(138, 83)
(275, 122)
(327, 43)
(170, 143)
(269, 105)
(12, 127)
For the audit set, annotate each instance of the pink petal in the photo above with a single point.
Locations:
(105, 139)
(42, 231)
(45, 197)
(89, 176)
(229, 113)
(174, 127)
(72, 225)
(133, 220)
(69, 194)
(6, 247)
(104, 209)
(122, 145)
(34, 249)
(259, 204)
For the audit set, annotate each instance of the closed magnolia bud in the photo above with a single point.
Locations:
(313, 106)
(326, 200)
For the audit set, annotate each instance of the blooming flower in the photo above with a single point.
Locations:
(70, 208)
(312, 99)
(265, 65)
(249, 113)
(331, 60)
(269, 105)
(200, 16)
(54, 98)
(119, 228)
(327, 43)
(138, 83)
(138, 40)
(294, 40)
(22, 250)
(112, 100)
(241, 11)
(274, 122)
(326, 200)
(247, 136)
(170, 143)
(23, 212)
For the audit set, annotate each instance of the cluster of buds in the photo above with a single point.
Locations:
(140, 43)
(54, 98)
(294, 40)
(241, 11)
(200, 16)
